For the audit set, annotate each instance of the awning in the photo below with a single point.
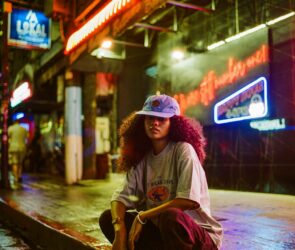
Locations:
(114, 25)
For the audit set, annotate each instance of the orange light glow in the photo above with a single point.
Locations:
(205, 93)
(94, 23)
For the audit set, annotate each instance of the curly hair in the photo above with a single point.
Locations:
(134, 143)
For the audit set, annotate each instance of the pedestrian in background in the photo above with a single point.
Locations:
(18, 138)
(165, 183)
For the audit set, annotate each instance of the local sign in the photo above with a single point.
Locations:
(28, 29)
(247, 103)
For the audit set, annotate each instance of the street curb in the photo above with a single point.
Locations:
(48, 235)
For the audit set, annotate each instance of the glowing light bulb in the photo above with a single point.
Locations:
(177, 54)
(107, 44)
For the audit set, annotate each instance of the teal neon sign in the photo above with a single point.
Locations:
(266, 125)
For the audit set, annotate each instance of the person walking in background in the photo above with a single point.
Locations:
(18, 138)
(165, 185)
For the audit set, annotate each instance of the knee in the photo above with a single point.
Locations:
(105, 219)
(170, 217)
(105, 223)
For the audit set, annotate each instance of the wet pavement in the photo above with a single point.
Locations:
(58, 216)
(9, 239)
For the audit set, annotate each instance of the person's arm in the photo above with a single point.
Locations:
(183, 204)
(118, 210)
(140, 220)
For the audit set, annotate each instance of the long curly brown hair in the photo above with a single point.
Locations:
(134, 143)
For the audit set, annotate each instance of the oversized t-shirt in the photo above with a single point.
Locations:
(176, 172)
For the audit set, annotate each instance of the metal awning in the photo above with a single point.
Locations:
(135, 15)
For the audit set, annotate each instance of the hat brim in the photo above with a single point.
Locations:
(153, 113)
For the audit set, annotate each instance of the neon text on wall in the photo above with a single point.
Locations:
(266, 125)
(111, 9)
(20, 94)
(247, 103)
(205, 93)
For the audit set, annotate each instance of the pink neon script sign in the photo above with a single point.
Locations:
(20, 94)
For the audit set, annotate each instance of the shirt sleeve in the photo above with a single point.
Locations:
(190, 173)
(130, 192)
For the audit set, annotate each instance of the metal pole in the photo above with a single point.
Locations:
(5, 100)
(237, 16)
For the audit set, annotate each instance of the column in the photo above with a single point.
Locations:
(73, 128)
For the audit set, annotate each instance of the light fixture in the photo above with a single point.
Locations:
(247, 32)
(107, 44)
(110, 49)
(177, 54)
(103, 16)
(215, 45)
(281, 18)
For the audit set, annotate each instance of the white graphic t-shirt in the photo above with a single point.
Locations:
(174, 173)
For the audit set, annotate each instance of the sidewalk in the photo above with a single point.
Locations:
(57, 216)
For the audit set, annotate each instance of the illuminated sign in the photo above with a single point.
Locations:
(247, 103)
(265, 125)
(205, 93)
(94, 23)
(28, 29)
(18, 116)
(20, 94)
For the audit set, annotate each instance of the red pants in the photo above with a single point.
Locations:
(175, 231)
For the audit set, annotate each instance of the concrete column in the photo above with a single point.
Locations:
(73, 128)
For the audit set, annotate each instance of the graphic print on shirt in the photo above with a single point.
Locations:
(158, 193)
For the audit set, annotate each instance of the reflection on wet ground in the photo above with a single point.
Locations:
(250, 220)
(256, 221)
(9, 239)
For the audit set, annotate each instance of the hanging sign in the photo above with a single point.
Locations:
(28, 29)
(247, 103)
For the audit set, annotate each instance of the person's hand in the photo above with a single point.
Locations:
(134, 233)
(119, 242)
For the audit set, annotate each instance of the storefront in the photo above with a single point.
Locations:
(100, 72)
(240, 90)
(232, 84)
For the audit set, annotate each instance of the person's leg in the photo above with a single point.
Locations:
(22, 155)
(14, 169)
(19, 172)
(179, 231)
(106, 226)
(149, 239)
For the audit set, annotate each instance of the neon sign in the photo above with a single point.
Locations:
(29, 29)
(20, 94)
(265, 125)
(18, 116)
(94, 23)
(205, 93)
(247, 103)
